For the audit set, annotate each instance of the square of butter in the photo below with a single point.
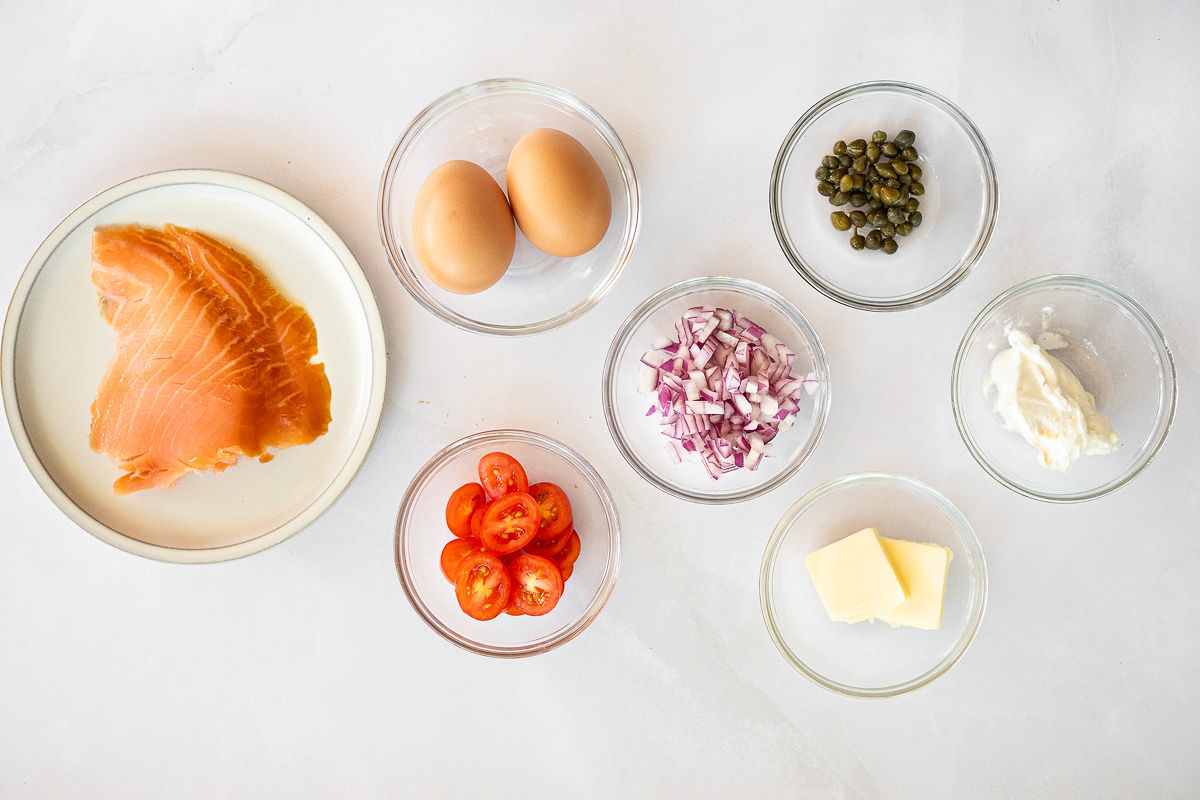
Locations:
(923, 569)
(855, 577)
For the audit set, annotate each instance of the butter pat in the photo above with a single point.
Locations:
(855, 578)
(923, 569)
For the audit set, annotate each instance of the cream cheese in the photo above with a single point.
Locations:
(1040, 398)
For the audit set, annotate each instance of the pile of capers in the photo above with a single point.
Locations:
(881, 180)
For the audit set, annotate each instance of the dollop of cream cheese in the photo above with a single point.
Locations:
(1040, 398)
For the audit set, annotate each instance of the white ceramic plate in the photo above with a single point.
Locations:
(56, 348)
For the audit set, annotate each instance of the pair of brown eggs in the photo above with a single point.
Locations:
(463, 225)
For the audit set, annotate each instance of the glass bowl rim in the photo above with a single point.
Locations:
(681, 289)
(966, 535)
(610, 571)
(1122, 300)
(961, 270)
(395, 253)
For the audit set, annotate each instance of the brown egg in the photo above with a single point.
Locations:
(558, 193)
(462, 228)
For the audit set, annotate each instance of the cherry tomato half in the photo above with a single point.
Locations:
(537, 584)
(477, 518)
(549, 548)
(500, 474)
(555, 509)
(483, 586)
(454, 552)
(463, 502)
(509, 523)
(567, 557)
(566, 571)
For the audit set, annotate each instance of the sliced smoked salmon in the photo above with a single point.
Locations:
(211, 363)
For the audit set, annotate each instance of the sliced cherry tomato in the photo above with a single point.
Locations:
(463, 502)
(537, 584)
(509, 523)
(513, 611)
(567, 557)
(483, 586)
(566, 571)
(555, 509)
(454, 552)
(549, 548)
(501, 474)
(477, 519)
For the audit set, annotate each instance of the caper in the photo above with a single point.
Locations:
(917, 188)
(858, 219)
(860, 165)
(915, 218)
(895, 215)
(856, 148)
(885, 171)
(876, 218)
(878, 137)
(874, 240)
(840, 220)
(909, 154)
(889, 149)
(846, 184)
(858, 199)
(904, 228)
(836, 175)
(888, 230)
(905, 138)
(899, 167)
(912, 205)
(894, 183)
(874, 191)
(872, 152)
(904, 179)
(822, 173)
(839, 148)
(875, 204)
(915, 171)
(858, 242)
(845, 161)
(826, 189)
(888, 195)
(889, 245)
(829, 161)
(839, 199)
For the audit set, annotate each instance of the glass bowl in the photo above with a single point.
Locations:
(481, 123)
(869, 659)
(958, 207)
(421, 534)
(1115, 349)
(637, 436)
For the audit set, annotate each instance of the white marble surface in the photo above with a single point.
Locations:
(303, 672)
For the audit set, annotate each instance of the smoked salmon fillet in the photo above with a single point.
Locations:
(211, 362)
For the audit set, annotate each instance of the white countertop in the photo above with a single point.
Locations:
(304, 672)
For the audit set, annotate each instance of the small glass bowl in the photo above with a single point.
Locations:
(1115, 349)
(481, 123)
(958, 207)
(637, 435)
(869, 659)
(421, 534)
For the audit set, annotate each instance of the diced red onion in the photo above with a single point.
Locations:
(723, 389)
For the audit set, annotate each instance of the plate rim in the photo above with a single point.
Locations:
(378, 369)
